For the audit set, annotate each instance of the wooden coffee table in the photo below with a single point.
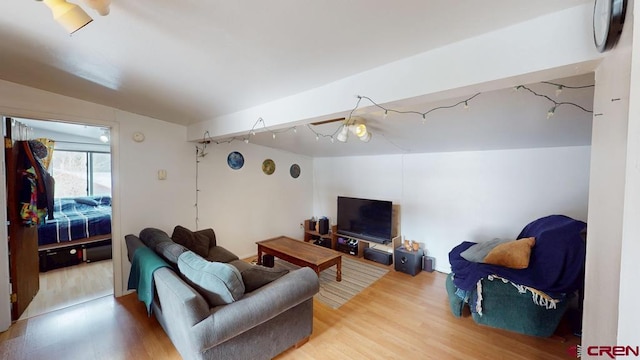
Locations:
(301, 253)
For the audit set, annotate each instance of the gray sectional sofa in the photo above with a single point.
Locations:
(272, 313)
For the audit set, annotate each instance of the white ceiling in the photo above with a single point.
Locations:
(190, 61)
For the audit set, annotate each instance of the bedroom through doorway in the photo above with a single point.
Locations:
(74, 239)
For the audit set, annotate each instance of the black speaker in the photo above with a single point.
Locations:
(428, 263)
(323, 226)
(379, 256)
(268, 260)
(409, 262)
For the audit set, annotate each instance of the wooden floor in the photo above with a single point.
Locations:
(398, 317)
(71, 285)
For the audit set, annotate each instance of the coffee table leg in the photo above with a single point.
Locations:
(259, 255)
(339, 272)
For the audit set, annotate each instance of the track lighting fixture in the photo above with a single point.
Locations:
(101, 6)
(343, 134)
(357, 127)
(71, 16)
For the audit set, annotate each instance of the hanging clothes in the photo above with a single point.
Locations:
(35, 199)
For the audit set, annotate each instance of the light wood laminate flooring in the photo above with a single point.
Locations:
(398, 317)
(67, 286)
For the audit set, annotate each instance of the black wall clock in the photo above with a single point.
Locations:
(608, 18)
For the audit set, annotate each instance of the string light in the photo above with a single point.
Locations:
(260, 123)
(200, 153)
(558, 91)
(557, 104)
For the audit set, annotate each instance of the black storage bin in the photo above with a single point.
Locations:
(97, 251)
(61, 257)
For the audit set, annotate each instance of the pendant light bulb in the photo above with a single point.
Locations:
(343, 134)
(70, 16)
(559, 90)
(551, 112)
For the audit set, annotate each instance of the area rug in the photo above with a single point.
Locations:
(356, 276)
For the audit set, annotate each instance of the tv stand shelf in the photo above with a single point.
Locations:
(309, 235)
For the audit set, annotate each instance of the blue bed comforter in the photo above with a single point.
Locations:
(556, 264)
(76, 218)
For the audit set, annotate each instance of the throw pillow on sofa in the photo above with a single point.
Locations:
(152, 237)
(477, 252)
(257, 276)
(513, 254)
(218, 283)
(170, 251)
(194, 241)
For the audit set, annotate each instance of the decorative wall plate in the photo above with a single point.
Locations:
(235, 160)
(294, 170)
(268, 167)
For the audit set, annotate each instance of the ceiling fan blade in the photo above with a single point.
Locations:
(328, 121)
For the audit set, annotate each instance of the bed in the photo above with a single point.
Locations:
(79, 231)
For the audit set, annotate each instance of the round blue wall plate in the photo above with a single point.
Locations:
(235, 160)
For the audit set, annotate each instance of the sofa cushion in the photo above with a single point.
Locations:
(257, 276)
(196, 242)
(209, 234)
(152, 237)
(170, 251)
(513, 254)
(218, 283)
(220, 254)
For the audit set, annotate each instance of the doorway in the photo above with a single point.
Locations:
(74, 241)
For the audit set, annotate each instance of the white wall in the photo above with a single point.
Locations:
(447, 198)
(628, 316)
(139, 199)
(244, 206)
(607, 195)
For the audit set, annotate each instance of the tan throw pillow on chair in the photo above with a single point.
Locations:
(513, 254)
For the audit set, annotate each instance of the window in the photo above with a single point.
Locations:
(81, 173)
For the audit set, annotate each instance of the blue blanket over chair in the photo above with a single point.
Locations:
(556, 264)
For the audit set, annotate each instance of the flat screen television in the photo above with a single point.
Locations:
(365, 219)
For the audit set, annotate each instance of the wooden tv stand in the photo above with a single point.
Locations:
(362, 244)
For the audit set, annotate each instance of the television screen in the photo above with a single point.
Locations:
(365, 219)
